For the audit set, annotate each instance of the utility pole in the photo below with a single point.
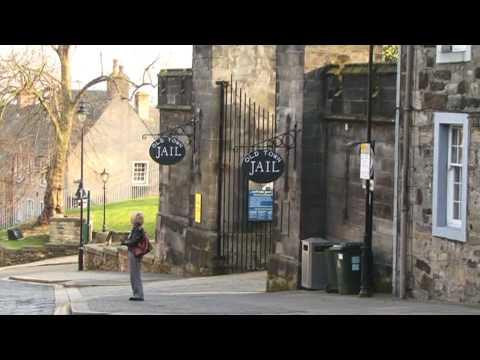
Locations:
(367, 257)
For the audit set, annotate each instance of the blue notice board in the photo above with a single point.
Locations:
(260, 205)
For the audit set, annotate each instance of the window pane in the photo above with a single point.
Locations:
(460, 155)
(453, 156)
(457, 171)
(454, 136)
(456, 211)
(456, 192)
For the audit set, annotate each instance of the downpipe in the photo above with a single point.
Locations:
(396, 208)
(405, 165)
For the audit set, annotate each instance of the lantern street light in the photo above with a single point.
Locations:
(81, 194)
(105, 175)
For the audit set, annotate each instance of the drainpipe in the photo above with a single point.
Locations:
(405, 157)
(395, 177)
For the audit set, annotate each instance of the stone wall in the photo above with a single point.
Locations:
(252, 66)
(99, 257)
(27, 255)
(317, 56)
(440, 268)
(323, 196)
(64, 231)
(345, 123)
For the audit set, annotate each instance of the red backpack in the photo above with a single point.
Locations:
(143, 247)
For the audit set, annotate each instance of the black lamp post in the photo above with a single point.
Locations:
(104, 176)
(81, 194)
(367, 256)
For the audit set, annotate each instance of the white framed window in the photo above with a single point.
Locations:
(140, 173)
(450, 176)
(453, 53)
(30, 207)
(454, 177)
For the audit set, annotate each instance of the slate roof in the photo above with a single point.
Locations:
(31, 124)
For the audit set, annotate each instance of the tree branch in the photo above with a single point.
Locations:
(87, 86)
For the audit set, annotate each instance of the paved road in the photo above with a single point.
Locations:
(26, 299)
(108, 292)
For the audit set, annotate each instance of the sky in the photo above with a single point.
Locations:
(86, 63)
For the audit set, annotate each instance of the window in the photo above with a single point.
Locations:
(453, 53)
(43, 179)
(450, 176)
(29, 209)
(454, 177)
(140, 173)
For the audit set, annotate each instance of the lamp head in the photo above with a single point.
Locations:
(105, 175)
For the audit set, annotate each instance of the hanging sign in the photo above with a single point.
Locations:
(263, 166)
(365, 161)
(167, 150)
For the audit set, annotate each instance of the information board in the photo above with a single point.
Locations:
(260, 205)
(198, 208)
(365, 162)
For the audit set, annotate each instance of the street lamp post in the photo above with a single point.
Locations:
(104, 176)
(367, 257)
(81, 115)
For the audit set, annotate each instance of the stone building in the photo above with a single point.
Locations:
(439, 246)
(319, 196)
(113, 133)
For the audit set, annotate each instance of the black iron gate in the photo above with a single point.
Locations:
(244, 245)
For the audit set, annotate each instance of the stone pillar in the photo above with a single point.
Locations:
(283, 267)
(188, 247)
(201, 238)
(175, 207)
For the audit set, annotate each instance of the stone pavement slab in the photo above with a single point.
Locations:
(95, 292)
(243, 294)
(68, 275)
(26, 299)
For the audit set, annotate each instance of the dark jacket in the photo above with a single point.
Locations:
(136, 235)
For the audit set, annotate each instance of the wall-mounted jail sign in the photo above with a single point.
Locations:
(167, 150)
(263, 166)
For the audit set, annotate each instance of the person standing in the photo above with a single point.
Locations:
(136, 235)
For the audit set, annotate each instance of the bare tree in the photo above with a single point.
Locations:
(50, 83)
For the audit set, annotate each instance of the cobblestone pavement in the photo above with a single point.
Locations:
(26, 299)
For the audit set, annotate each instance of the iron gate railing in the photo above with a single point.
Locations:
(243, 245)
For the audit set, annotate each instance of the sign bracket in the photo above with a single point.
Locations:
(179, 130)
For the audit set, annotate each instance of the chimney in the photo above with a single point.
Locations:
(142, 105)
(118, 84)
(115, 67)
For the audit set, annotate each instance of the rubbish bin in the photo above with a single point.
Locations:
(347, 258)
(332, 282)
(314, 263)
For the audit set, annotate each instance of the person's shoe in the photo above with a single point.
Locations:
(135, 299)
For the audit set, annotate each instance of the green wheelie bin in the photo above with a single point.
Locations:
(348, 267)
(331, 260)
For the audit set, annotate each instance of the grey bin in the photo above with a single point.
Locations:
(314, 263)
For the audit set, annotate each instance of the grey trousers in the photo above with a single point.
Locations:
(135, 264)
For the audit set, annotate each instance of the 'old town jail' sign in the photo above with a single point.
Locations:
(167, 150)
(263, 166)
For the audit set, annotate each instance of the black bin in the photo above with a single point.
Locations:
(347, 259)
